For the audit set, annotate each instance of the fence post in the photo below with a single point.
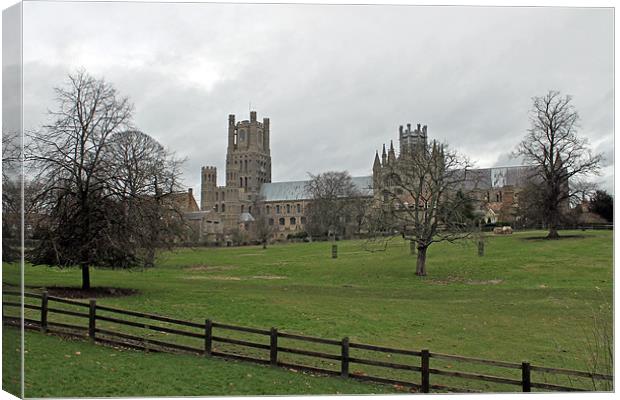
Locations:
(44, 312)
(344, 366)
(92, 307)
(425, 366)
(208, 337)
(526, 378)
(273, 347)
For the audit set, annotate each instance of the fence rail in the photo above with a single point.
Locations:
(343, 347)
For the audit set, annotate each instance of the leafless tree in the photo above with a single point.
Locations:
(359, 208)
(561, 157)
(331, 195)
(94, 170)
(261, 230)
(428, 195)
(145, 178)
(11, 195)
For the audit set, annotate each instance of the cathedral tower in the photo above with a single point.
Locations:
(208, 188)
(248, 158)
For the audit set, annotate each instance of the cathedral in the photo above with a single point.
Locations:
(250, 193)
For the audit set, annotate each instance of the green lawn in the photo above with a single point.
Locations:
(524, 300)
(97, 371)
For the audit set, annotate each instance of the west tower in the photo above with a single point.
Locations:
(248, 158)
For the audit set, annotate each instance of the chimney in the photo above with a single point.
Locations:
(252, 116)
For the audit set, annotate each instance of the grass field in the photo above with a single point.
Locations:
(526, 299)
(97, 371)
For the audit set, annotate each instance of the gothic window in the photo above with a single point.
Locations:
(223, 207)
(293, 221)
(246, 182)
(242, 208)
(242, 136)
(268, 209)
(216, 196)
(271, 221)
(250, 209)
(281, 221)
(241, 182)
(303, 220)
(288, 208)
(497, 197)
(298, 208)
(278, 209)
(245, 165)
(216, 208)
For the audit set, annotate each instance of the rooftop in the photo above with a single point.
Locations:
(296, 190)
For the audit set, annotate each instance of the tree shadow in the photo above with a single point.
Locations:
(92, 293)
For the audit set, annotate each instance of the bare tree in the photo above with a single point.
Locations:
(11, 195)
(144, 180)
(261, 230)
(101, 181)
(552, 145)
(331, 194)
(360, 207)
(428, 194)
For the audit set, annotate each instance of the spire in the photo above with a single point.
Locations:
(377, 162)
(383, 155)
(391, 154)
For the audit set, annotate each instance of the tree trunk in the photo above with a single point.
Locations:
(264, 244)
(149, 260)
(421, 263)
(85, 277)
(553, 232)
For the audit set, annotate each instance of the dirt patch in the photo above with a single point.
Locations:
(466, 281)
(543, 238)
(92, 293)
(208, 268)
(489, 282)
(269, 277)
(232, 278)
(212, 278)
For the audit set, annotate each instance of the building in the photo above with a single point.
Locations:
(248, 167)
(495, 190)
(200, 226)
(249, 192)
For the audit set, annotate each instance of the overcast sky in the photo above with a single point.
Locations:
(336, 81)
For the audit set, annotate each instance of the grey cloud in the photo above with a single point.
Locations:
(336, 81)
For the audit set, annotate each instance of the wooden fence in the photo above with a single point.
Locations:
(91, 313)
